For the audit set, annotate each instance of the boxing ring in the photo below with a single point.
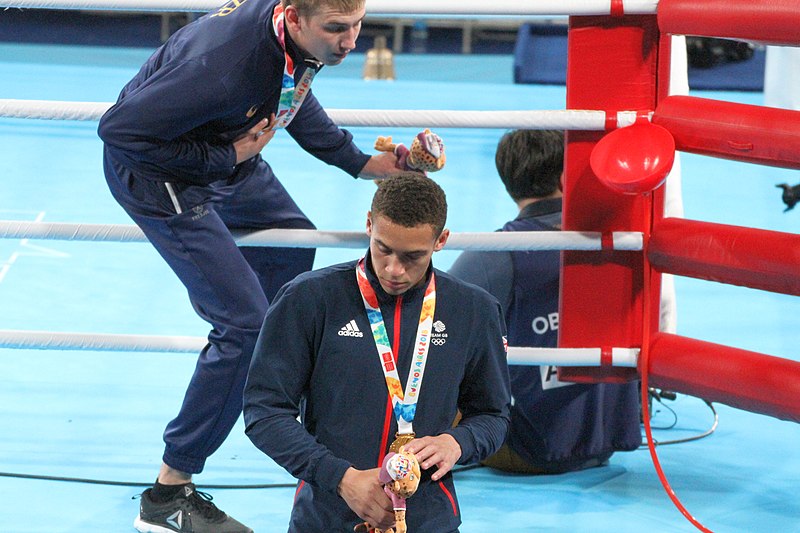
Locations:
(616, 245)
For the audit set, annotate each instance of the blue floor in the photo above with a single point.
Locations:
(99, 415)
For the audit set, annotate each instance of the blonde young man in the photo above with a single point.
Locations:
(182, 156)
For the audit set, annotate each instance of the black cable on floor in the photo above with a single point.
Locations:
(137, 483)
(658, 396)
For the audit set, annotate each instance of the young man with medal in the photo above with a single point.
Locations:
(373, 354)
(182, 156)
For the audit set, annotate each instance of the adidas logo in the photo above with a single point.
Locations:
(350, 330)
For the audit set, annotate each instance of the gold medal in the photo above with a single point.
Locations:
(401, 439)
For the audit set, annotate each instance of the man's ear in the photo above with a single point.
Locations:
(441, 240)
(292, 18)
(369, 223)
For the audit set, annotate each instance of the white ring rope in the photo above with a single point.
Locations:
(569, 119)
(587, 120)
(303, 238)
(522, 240)
(473, 9)
(50, 340)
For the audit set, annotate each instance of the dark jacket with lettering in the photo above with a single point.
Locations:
(316, 357)
(555, 426)
(210, 82)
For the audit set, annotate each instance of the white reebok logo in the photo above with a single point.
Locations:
(350, 330)
(176, 519)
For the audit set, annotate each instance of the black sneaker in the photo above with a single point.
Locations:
(189, 511)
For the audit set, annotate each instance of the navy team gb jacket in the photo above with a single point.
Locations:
(210, 82)
(316, 358)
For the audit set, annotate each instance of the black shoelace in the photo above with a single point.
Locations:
(202, 502)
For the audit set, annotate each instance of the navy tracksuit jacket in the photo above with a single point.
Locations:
(310, 361)
(169, 161)
(555, 426)
(558, 428)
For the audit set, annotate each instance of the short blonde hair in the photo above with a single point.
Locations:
(311, 7)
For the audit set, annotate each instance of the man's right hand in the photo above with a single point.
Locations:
(256, 138)
(364, 494)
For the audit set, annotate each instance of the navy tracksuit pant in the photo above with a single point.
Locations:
(229, 287)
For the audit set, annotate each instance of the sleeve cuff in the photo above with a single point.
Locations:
(464, 439)
(358, 165)
(329, 473)
(228, 158)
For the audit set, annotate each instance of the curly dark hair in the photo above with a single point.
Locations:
(410, 199)
(530, 162)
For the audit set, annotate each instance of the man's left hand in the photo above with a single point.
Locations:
(441, 451)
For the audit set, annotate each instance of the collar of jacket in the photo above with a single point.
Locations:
(297, 54)
(542, 207)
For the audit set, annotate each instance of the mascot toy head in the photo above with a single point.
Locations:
(403, 472)
(426, 153)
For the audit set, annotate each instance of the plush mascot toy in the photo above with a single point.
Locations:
(426, 153)
(400, 475)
